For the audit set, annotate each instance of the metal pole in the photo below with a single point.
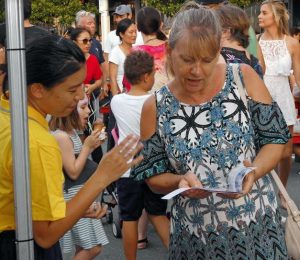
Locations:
(18, 103)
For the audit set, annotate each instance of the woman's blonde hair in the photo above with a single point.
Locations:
(201, 29)
(281, 15)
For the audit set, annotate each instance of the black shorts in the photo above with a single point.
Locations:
(134, 196)
(8, 249)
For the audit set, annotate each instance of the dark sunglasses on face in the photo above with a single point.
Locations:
(85, 41)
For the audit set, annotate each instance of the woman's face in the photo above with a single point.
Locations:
(192, 73)
(84, 41)
(83, 111)
(129, 36)
(61, 99)
(266, 17)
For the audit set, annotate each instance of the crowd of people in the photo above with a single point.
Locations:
(186, 110)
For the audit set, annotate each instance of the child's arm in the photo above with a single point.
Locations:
(72, 165)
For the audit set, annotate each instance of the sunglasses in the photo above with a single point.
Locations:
(85, 41)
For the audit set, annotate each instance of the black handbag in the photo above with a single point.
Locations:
(87, 171)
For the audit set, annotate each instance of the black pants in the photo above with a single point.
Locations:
(8, 249)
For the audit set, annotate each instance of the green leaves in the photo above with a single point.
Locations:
(167, 7)
(59, 14)
(171, 7)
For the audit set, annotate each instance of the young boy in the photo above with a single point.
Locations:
(135, 196)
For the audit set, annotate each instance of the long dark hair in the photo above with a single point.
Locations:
(51, 59)
(149, 22)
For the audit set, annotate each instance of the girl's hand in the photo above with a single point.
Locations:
(88, 89)
(93, 141)
(96, 211)
(190, 180)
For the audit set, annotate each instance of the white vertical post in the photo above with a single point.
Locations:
(105, 20)
(18, 104)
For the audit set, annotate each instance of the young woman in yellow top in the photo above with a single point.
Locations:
(55, 72)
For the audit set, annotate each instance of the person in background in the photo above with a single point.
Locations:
(86, 20)
(93, 78)
(126, 30)
(112, 40)
(134, 196)
(282, 54)
(235, 38)
(149, 23)
(87, 235)
(208, 120)
(55, 70)
(253, 47)
(31, 31)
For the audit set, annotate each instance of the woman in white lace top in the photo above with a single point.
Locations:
(281, 53)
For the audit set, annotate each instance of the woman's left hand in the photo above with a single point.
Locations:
(190, 180)
(248, 182)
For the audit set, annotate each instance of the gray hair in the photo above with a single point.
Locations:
(203, 29)
(83, 13)
(201, 21)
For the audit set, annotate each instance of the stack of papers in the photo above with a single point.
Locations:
(235, 183)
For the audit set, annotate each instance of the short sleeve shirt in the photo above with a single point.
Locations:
(46, 177)
(96, 49)
(118, 57)
(93, 71)
(112, 41)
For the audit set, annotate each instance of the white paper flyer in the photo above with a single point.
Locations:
(235, 183)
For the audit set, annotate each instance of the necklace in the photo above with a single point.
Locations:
(149, 40)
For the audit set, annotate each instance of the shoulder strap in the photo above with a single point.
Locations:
(240, 85)
(291, 204)
(259, 36)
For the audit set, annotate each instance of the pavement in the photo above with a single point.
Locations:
(155, 249)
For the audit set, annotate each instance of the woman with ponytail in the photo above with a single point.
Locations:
(282, 54)
(149, 23)
(235, 38)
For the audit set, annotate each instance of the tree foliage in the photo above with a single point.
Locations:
(171, 7)
(167, 7)
(56, 13)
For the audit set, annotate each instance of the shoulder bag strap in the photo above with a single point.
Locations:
(291, 204)
(238, 81)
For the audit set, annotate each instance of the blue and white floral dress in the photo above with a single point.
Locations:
(210, 139)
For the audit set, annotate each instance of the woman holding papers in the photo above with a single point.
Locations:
(207, 121)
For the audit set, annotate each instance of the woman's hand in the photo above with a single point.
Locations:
(118, 160)
(190, 180)
(93, 141)
(248, 182)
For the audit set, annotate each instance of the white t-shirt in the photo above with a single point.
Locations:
(118, 57)
(113, 40)
(127, 110)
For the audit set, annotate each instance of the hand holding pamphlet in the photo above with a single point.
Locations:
(235, 183)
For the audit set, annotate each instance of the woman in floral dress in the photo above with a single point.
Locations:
(196, 130)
